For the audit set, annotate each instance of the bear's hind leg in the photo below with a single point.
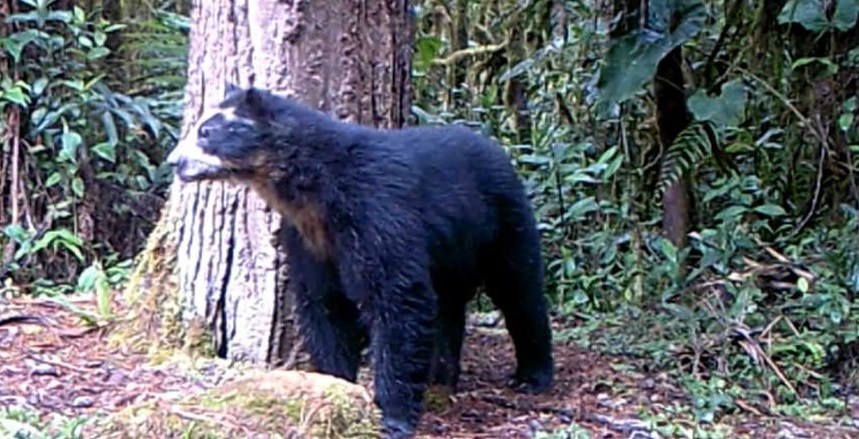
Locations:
(450, 330)
(402, 345)
(514, 282)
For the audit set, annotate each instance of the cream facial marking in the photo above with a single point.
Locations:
(189, 157)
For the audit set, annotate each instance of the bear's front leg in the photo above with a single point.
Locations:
(332, 333)
(328, 321)
(402, 342)
(396, 298)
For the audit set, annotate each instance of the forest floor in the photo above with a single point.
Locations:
(50, 363)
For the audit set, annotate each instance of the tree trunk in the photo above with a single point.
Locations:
(10, 162)
(672, 117)
(351, 58)
(458, 41)
(515, 94)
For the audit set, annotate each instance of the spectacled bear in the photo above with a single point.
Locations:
(389, 234)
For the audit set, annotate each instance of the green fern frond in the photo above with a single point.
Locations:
(691, 147)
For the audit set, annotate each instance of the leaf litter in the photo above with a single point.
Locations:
(52, 363)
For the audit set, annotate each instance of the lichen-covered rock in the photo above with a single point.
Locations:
(261, 404)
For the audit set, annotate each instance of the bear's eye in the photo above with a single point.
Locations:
(210, 125)
(237, 128)
(204, 132)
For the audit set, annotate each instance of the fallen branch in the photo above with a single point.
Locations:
(467, 53)
(21, 318)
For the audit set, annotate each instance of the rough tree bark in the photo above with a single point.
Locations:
(458, 41)
(672, 117)
(672, 114)
(515, 95)
(9, 127)
(351, 58)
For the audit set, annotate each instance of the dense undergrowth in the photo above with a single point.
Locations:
(88, 116)
(761, 305)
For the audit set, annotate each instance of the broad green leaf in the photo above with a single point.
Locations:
(75, 84)
(630, 63)
(92, 83)
(98, 52)
(110, 128)
(668, 249)
(533, 159)
(582, 207)
(802, 285)
(51, 118)
(42, 243)
(845, 121)
(810, 14)
(102, 296)
(24, 17)
(67, 239)
(71, 141)
(581, 177)
(85, 41)
(770, 210)
(15, 95)
(723, 110)
(63, 16)
(613, 166)
(87, 278)
(426, 50)
(80, 15)
(99, 38)
(739, 147)
(78, 187)
(831, 67)
(38, 114)
(846, 14)
(39, 85)
(731, 213)
(632, 59)
(54, 179)
(609, 155)
(126, 117)
(14, 44)
(16, 232)
(114, 28)
(106, 151)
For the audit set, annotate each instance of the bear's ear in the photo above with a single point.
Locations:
(231, 88)
(255, 103)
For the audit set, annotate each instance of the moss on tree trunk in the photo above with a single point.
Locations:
(212, 270)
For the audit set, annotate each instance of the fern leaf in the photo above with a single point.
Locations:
(691, 147)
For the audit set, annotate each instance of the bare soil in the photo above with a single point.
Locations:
(51, 363)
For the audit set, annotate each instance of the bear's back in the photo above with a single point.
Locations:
(465, 185)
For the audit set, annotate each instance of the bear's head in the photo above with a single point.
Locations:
(229, 140)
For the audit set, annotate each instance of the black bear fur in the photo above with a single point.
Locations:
(387, 230)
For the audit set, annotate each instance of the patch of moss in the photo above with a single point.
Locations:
(271, 404)
(153, 313)
(437, 398)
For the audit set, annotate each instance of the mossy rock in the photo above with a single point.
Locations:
(262, 404)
